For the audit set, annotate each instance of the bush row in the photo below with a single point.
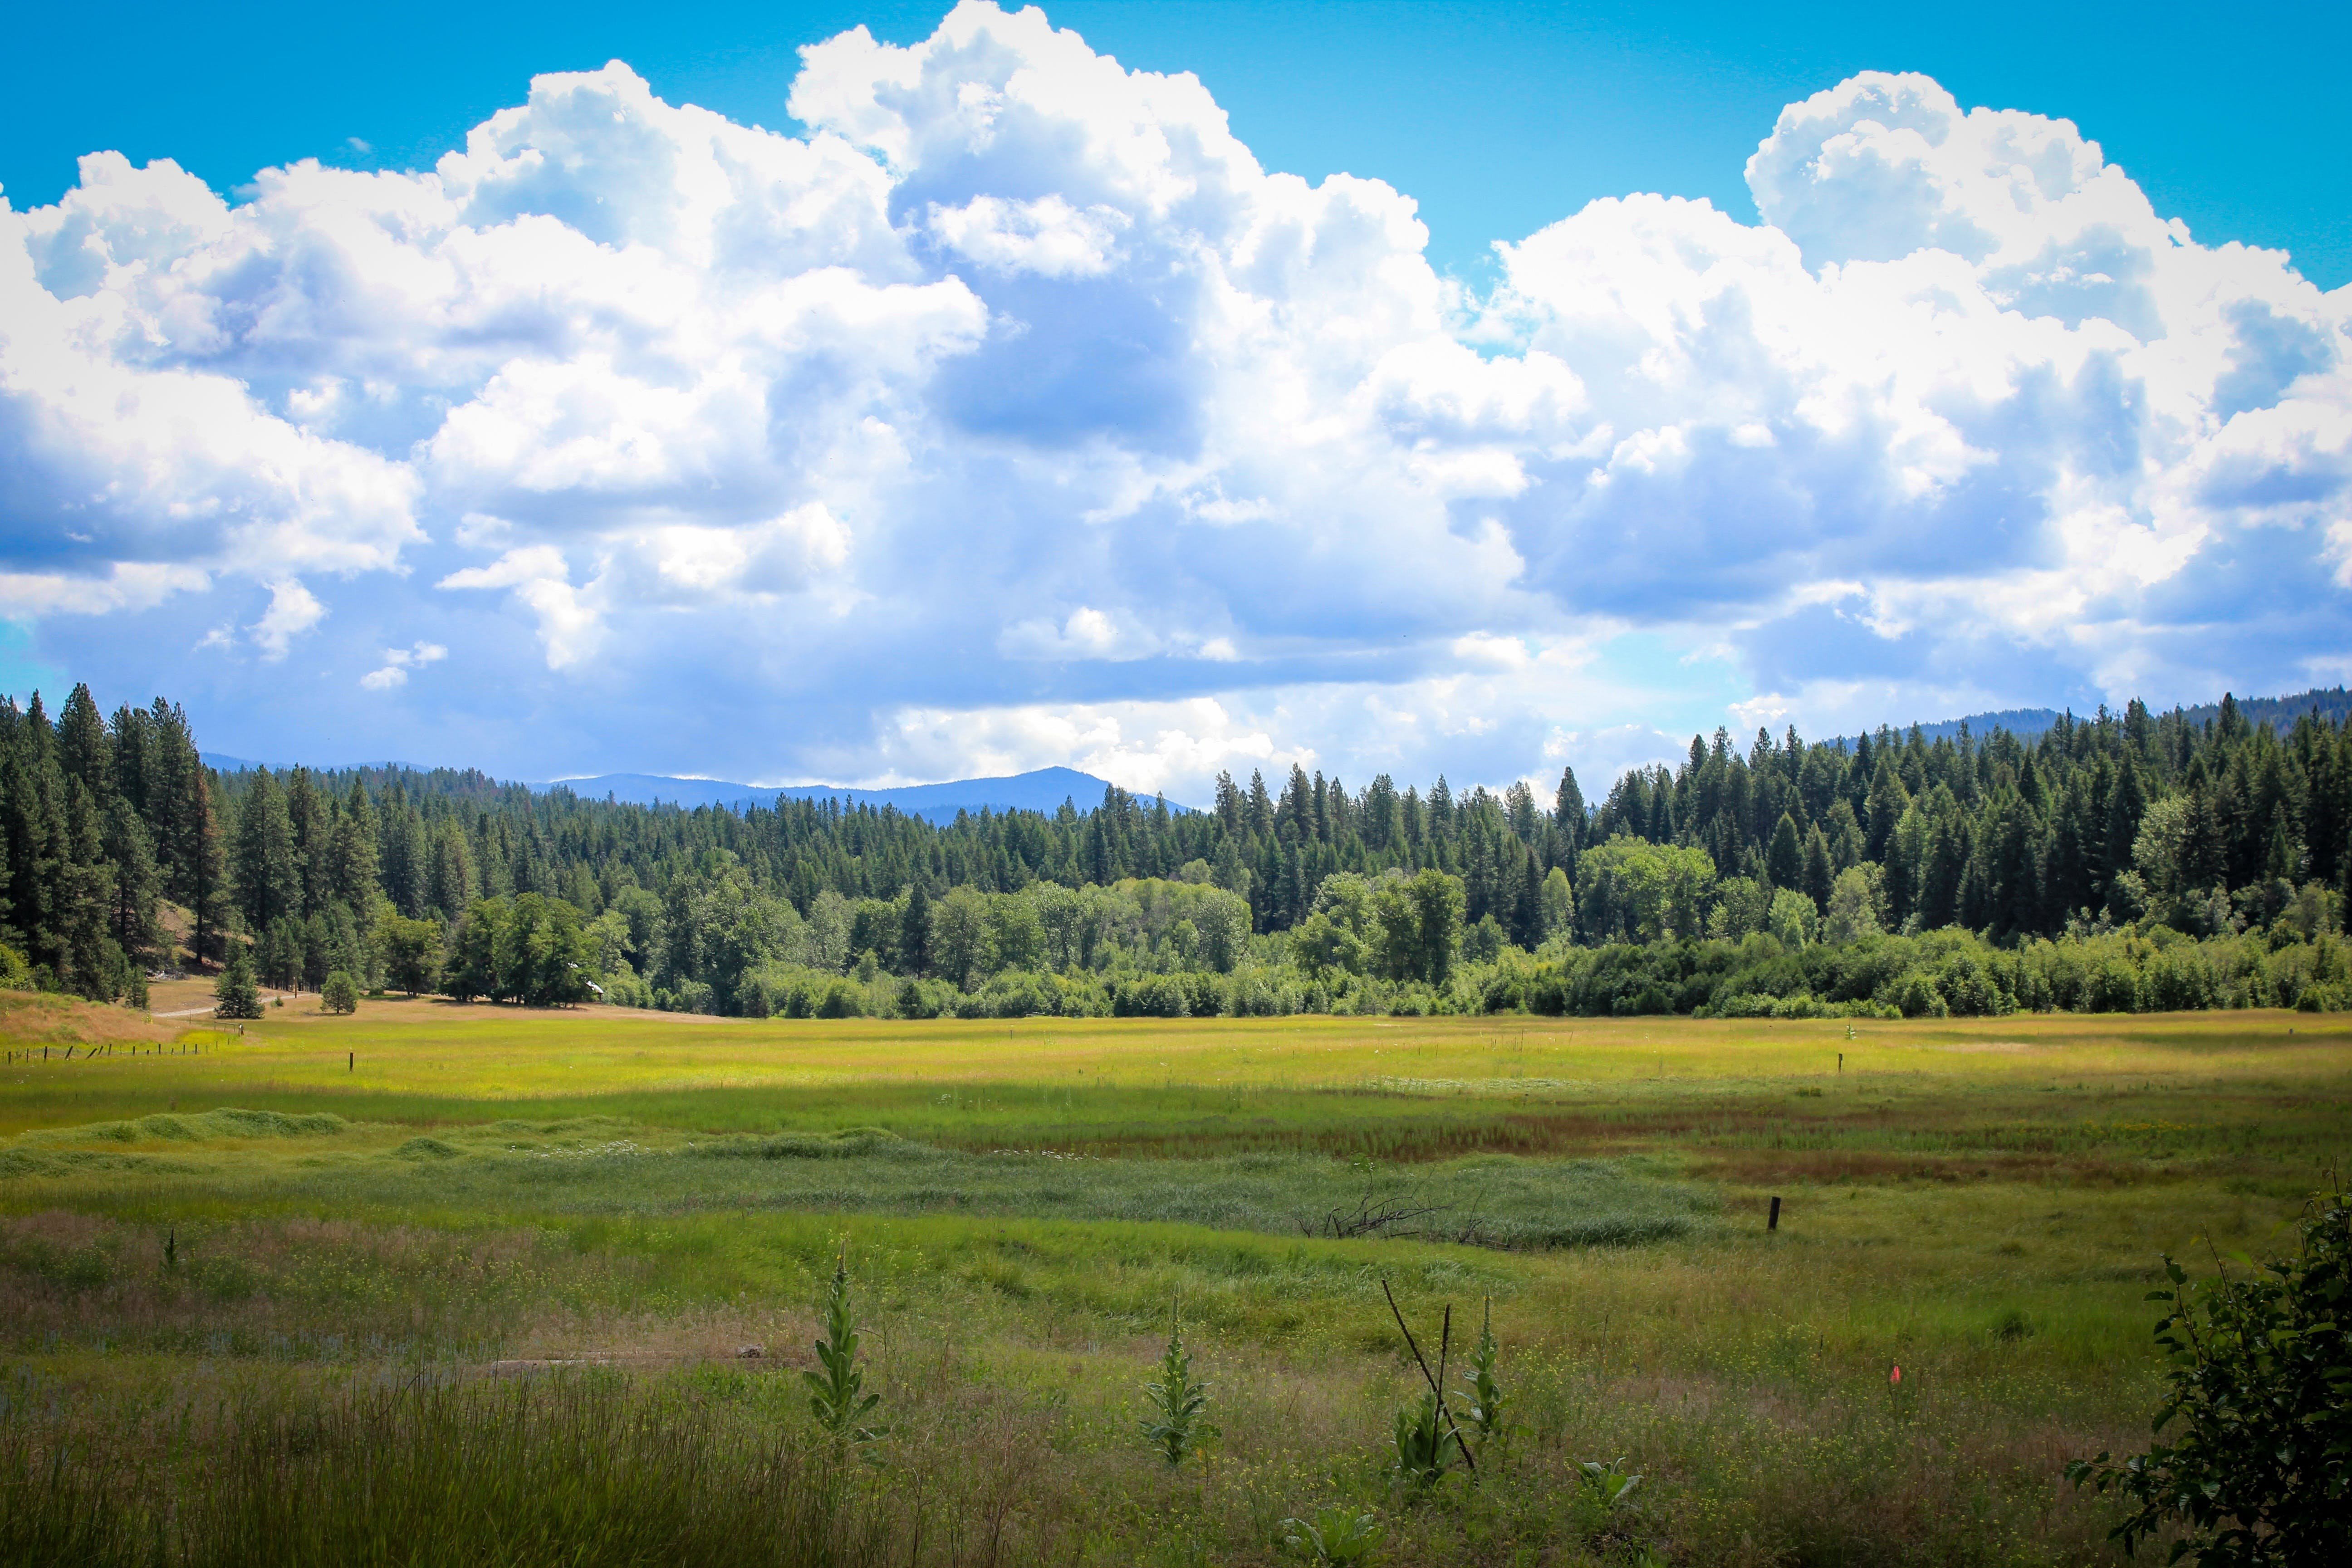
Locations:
(1945, 973)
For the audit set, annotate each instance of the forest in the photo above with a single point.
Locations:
(2120, 862)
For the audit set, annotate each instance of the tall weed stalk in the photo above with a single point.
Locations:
(1175, 1424)
(837, 1397)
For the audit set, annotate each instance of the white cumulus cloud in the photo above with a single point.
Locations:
(392, 673)
(1016, 412)
(293, 610)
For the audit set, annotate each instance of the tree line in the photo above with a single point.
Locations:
(124, 852)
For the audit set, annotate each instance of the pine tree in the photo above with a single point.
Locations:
(207, 885)
(269, 878)
(1258, 816)
(127, 734)
(450, 883)
(312, 833)
(31, 832)
(2203, 855)
(1819, 875)
(1887, 801)
(234, 995)
(171, 773)
(402, 860)
(1229, 803)
(130, 915)
(352, 858)
(85, 753)
(89, 960)
(1784, 861)
(914, 931)
(278, 953)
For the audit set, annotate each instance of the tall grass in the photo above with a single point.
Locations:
(581, 1471)
(990, 1470)
(1136, 1077)
(212, 1324)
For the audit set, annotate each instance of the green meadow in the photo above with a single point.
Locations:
(440, 1284)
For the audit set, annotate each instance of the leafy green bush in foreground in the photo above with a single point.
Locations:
(2259, 1469)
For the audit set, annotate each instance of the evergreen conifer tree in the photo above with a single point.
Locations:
(268, 877)
(207, 886)
(914, 931)
(234, 995)
(351, 857)
(89, 960)
(1819, 875)
(130, 915)
(85, 753)
(1784, 859)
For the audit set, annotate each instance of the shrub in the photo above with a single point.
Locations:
(338, 993)
(926, 999)
(1915, 996)
(1151, 997)
(692, 996)
(842, 999)
(2260, 1392)
(1968, 987)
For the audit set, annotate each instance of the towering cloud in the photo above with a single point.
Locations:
(1017, 414)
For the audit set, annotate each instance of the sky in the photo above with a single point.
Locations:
(1159, 389)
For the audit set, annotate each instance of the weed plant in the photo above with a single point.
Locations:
(1427, 1447)
(837, 1395)
(1483, 1397)
(1335, 1535)
(1176, 1423)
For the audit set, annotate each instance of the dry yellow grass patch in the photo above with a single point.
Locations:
(29, 1018)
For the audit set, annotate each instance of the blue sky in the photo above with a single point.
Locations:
(994, 407)
(1498, 119)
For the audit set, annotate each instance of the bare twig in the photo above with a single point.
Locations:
(1445, 1348)
(1434, 1386)
(1370, 1218)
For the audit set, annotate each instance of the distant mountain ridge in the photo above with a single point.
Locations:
(2332, 703)
(1042, 789)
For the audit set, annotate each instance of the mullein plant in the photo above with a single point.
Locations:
(1429, 1441)
(1175, 1424)
(837, 1397)
(1335, 1536)
(1427, 1446)
(1483, 1393)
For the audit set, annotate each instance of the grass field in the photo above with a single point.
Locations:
(329, 1248)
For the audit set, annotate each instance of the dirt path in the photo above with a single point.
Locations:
(266, 998)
